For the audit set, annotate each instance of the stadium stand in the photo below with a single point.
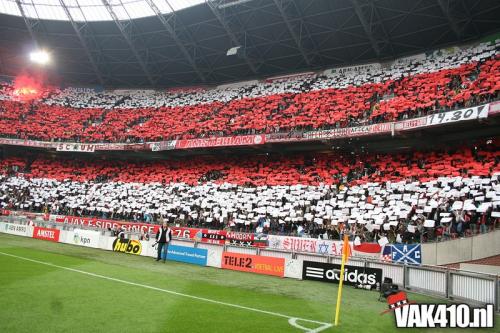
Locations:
(424, 194)
(403, 90)
(354, 143)
(293, 84)
(428, 195)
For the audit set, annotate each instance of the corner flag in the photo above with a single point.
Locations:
(346, 252)
(346, 249)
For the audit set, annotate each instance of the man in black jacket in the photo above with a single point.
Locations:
(163, 237)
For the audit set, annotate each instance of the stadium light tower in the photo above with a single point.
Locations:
(40, 57)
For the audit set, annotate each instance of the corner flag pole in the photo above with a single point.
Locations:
(345, 254)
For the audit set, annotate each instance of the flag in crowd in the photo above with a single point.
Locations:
(386, 253)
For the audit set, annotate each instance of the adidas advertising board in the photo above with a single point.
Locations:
(353, 275)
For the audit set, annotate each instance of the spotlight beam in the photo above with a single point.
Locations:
(29, 24)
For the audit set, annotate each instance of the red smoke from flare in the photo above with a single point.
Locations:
(27, 87)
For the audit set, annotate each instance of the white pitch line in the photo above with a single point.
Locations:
(291, 320)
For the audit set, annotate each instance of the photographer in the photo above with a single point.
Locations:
(163, 237)
(121, 232)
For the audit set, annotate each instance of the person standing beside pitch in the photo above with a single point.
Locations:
(163, 237)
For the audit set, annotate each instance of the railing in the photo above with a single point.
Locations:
(494, 228)
(471, 287)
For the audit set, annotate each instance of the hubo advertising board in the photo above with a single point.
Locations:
(125, 245)
(187, 254)
(15, 229)
(88, 238)
(353, 275)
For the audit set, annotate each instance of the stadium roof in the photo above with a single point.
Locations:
(161, 43)
(90, 10)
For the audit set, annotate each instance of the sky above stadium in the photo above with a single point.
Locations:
(90, 10)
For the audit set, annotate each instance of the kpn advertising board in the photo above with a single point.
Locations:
(87, 238)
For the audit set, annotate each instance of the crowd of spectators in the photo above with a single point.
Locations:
(406, 88)
(405, 197)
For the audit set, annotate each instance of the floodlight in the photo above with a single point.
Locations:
(40, 57)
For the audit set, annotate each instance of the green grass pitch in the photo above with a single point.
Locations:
(51, 287)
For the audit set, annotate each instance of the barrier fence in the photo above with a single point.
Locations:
(459, 285)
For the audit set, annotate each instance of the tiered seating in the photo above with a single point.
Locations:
(375, 195)
(262, 171)
(293, 84)
(310, 110)
(469, 77)
(441, 90)
(44, 122)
